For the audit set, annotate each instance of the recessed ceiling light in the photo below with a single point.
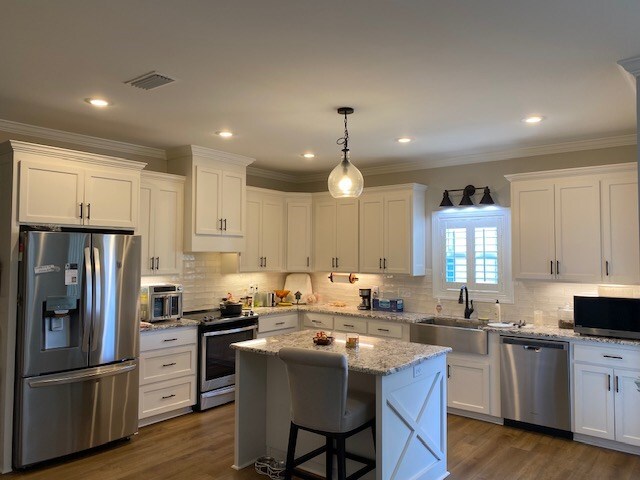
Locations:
(225, 134)
(308, 155)
(403, 140)
(97, 102)
(532, 119)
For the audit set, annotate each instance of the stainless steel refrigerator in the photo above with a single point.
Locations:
(77, 345)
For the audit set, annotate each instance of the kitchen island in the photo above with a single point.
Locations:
(409, 382)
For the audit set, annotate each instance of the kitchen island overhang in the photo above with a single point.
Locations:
(409, 382)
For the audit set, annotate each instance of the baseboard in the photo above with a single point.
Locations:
(476, 416)
(610, 444)
(143, 422)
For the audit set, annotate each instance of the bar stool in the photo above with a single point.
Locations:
(322, 404)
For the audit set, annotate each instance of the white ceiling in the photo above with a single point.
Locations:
(455, 76)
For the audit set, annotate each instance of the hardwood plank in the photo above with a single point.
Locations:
(200, 447)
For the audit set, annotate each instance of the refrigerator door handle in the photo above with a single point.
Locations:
(88, 299)
(98, 292)
(83, 376)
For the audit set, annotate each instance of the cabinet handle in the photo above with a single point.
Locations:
(448, 371)
(169, 396)
(384, 263)
(380, 263)
(169, 364)
(551, 263)
(347, 325)
(279, 323)
(606, 267)
(337, 263)
(153, 265)
(82, 210)
(617, 357)
(383, 330)
(557, 267)
(316, 321)
(220, 224)
(225, 224)
(170, 340)
(333, 262)
(307, 261)
(616, 384)
(157, 263)
(608, 383)
(265, 260)
(88, 211)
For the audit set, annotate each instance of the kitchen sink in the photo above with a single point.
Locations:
(461, 334)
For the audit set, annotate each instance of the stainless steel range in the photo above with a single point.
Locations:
(216, 359)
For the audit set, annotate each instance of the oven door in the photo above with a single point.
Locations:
(218, 359)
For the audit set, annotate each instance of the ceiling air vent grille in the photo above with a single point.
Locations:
(150, 80)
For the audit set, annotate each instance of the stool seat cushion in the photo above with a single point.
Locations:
(361, 407)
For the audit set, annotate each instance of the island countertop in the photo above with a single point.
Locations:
(375, 356)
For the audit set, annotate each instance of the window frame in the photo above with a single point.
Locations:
(472, 217)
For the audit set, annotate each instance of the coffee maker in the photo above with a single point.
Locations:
(365, 296)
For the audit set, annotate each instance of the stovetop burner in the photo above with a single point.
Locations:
(210, 317)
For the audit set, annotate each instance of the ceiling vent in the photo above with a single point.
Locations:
(150, 80)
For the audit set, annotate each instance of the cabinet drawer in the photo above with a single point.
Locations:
(166, 363)
(350, 324)
(277, 322)
(163, 397)
(315, 320)
(611, 356)
(385, 329)
(172, 337)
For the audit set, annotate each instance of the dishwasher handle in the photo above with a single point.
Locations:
(532, 344)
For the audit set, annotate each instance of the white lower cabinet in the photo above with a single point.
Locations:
(361, 325)
(606, 395)
(270, 325)
(468, 384)
(168, 366)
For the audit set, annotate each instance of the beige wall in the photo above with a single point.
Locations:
(272, 184)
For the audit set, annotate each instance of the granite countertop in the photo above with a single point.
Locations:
(375, 356)
(348, 311)
(553, 332)
(165, 324)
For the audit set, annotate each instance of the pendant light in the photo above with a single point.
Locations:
(345, 180)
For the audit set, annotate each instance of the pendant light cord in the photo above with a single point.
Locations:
(344, 140)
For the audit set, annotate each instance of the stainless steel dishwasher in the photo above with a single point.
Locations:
(534, 382)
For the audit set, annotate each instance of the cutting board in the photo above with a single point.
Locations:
(299, 282)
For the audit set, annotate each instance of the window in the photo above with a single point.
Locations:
(472, 247)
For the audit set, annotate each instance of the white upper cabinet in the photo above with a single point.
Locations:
(576, 225)
(161, 223)
(215, 198)
(298, 241)
(265, 231)
(335, 234)
(70, 188)
(620, 229)
(392, 230)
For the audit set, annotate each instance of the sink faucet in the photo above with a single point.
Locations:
(467, 311)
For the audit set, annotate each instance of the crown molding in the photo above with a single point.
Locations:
(209, 153)
(170, 177)
(631, 65)
(629, 167)
(66, 154)
(79, 139)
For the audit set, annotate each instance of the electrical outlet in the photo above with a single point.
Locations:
(375, 291)
(417, 370)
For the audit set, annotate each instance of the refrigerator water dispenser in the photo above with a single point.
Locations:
(61, 324)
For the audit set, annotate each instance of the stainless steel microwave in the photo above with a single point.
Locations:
(164, 302)
(607, 316)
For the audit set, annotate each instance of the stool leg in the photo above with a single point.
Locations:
(342, 459)
(291, 450)
(373, 434)
(329, 459)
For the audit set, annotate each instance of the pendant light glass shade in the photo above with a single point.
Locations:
(345, 180)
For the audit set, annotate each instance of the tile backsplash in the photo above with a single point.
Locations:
(205, 283)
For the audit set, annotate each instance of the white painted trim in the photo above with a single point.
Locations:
(631, 65)
(476, 416)
(170, 177)
(604, 443)
(272, 175)
(630, 167)
(417, 187)
(266, 191)
(66, 154)
(79, 139)
(210, 153)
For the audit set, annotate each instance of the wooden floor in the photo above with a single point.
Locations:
(200, 447)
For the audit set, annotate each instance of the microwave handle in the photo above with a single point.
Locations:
(226, 332)
(167, 307)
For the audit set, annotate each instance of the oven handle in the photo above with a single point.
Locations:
(227, 332)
